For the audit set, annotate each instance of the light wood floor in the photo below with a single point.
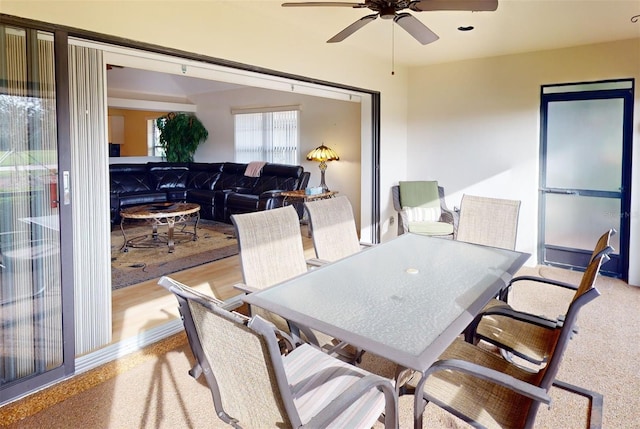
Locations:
(146, 305)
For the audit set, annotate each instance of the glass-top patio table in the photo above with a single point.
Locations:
(405, 300)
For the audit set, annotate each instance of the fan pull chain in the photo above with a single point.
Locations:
(393, 50)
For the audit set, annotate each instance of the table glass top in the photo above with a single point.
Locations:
(396, 299)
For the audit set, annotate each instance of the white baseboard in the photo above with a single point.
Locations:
(114, 351)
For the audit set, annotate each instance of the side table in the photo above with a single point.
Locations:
(300, 196)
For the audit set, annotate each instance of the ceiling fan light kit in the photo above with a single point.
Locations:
(391, 10)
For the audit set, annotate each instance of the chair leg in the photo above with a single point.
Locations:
(470, 331)
(594, 417)
(196, 371)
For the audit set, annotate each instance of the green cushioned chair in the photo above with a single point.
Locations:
(421, 208)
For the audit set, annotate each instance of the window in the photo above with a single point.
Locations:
(270, 136)
(153, 139)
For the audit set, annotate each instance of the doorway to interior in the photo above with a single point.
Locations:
(585, 172)
(197, 80)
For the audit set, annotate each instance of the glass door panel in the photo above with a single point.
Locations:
(584, 149)
(585, 180)
(31, 340)
(562, 230)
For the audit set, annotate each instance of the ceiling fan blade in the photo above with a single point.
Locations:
(325, 3)
(471, 5)
(417, 29)
(352, 28)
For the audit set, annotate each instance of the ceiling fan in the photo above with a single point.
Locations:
(391, 10)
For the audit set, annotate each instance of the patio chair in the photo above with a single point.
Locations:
(333, 228)
(422, 209)
(271, 251)
(602, 245)
(520, 333)
(483, 389)
(488, 221)
(253, 385)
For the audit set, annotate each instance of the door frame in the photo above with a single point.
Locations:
(618, 266)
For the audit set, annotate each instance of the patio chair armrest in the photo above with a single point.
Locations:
(233, 303)
(245, 288)
(521, 316)
(355, 392)
(403, 221)
(505, 292)
(447, 215)
(315, 262)
(543, 280)
(503, 309)
(491, 375)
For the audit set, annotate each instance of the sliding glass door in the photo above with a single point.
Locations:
(31, 315)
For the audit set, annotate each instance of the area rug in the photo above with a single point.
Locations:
(216, 240)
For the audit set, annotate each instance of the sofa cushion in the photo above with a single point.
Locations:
(242, 203)
(128, 178)
(169, 175)
(201, 196)
(422, 214)
(272, 183)
(142, 197)
(282, 170)
(176, 194)
(204, 175)
(431, 228)
(233, 177)
(277, 177)
(419, 193)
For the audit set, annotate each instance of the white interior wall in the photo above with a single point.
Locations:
(474, 125)
(332, 122)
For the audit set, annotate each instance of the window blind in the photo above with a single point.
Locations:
(267, 136)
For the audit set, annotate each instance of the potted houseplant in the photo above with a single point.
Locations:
(180, 135)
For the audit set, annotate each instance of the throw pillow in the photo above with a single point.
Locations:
(422, 214)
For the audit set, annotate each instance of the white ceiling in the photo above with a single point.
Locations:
(516, 26)
(131, 83)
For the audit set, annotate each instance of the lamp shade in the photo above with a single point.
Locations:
(322, 153)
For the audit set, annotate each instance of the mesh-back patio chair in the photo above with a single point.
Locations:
(254, 386)
(518, 332)
(333, 228)
(602, 245)
(271, 251)
(422, 209)
(482, 388)
(488, 221)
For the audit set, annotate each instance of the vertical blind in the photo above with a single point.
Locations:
(30, 287)
(90, 191)
(270, 136)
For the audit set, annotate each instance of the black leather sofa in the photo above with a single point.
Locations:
(220, 188)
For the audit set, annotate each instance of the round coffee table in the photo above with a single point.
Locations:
(160, 214)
